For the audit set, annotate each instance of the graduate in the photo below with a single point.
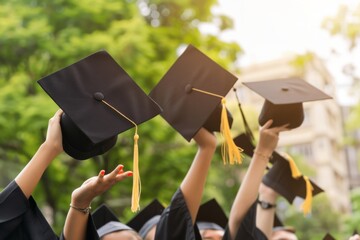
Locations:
(178, 219)
(211, 220)
(92, 116)
(20, 218)
(242, 219)
(80, 224)
(252, 217)
(192, 96)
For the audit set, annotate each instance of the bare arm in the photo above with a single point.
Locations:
(76, 221)
(193, 184)
(30, 176)
(265, 217)
(248, 191)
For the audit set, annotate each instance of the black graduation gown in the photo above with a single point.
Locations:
(247, 229)
(175, 222)
(21, 219)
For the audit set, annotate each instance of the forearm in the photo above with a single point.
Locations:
(265, 217)
(30, 176)
(247, 193)
(75, 225)
(194, 182)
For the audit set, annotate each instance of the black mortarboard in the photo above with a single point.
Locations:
(328, 236)
(105, 221)
(99, 100)
(211, 216)
(89, 126)
(146, 218)
(283, 100)
(280, 178)
(190, 92)
(277, 221)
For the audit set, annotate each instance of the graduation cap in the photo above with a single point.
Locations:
(189, 93)
(283, 100)
(99, 100)
(277, 221)
(148, 217)
(211, 216)
(285, 178)
(106, 221)
(328, 236)
(246, 143)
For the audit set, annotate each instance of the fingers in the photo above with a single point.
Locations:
(100, 177)
(117, 170)
(282, 128)
(267, 124)
(117, 174)
(58, 113)
(276, 129)
(124, 175)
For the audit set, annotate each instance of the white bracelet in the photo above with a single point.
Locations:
(83, 210)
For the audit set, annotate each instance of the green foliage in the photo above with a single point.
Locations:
(352, 221)
(345, 23)
(316, 225)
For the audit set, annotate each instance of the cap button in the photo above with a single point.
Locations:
(99, 96)
(188, 88)
(285, 89)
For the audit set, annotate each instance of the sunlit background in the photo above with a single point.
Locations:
(269, 30)
(317, 40)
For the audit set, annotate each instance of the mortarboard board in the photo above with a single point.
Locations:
(283, 100)
(286, 180)
(190, 91)
(211, 216)
(99, 100)
(328, 236)
(79, 89)
(147, 218)
(106, 221)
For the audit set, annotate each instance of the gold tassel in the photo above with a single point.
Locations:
(295, 172)
(306, 206)
(229, 151)
(136, 191)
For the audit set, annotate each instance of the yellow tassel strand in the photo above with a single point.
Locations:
(295, 172)
(229, 151)
(306, 206)
(136, 191)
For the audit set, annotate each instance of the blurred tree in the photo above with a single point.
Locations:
(39, 37)
(346, 25)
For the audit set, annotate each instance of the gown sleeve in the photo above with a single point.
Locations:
(20, 218)
(247, 228)
(175, 221)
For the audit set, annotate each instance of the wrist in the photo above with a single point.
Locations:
(84, 210)
(263, 153)
(51, 148)
(266, 204)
